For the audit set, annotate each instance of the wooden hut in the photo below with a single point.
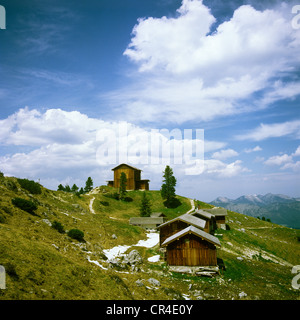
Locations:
(220, 216)
(177, 224)
(146, 222)
(191, 247)
(158, 215)
(210, 219)
(152, 222)
(133, 176)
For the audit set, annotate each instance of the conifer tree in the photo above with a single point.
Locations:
(168, 187)
(145, 208)
(74, 188)
(123, 183)
(88, 185)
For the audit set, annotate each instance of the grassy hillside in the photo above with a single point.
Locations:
(42, 263)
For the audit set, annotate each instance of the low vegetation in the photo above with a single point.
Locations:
(43, 259)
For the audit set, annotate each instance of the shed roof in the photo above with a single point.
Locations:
(157, 214)
(203, 213)
(191, 229)
(217, 211)
(188, 218)
(146, 220)
(124, 164)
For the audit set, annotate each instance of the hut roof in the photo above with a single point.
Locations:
(188, 218)
(157, 214)
(217, 211)
(146, 220)
(203, 214)
(199, 233)
(127, 165)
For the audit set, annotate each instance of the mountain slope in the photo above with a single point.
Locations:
(41, 263)
(280, 209)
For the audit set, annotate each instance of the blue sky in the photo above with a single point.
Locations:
(72, 70)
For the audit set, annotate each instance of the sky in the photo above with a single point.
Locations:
(211, 88)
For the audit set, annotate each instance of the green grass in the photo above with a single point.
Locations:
(42, 263)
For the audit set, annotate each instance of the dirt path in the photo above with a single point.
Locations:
(193, 206)
(91, 205)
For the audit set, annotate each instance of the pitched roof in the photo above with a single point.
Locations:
(199, 233)
(217, 211)
(157, 214)
(202, 213)
(124, 164)
(145, 220)
(188, 218)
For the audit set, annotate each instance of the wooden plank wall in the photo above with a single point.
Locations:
(130, 184)
(191, 250)
(192, 257)
(170, 229)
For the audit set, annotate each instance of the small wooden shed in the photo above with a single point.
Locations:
(220, 216)
(146, 222)
(208, 217)
(133, 176)
(158, 215)
(191, 247)
(177, 224)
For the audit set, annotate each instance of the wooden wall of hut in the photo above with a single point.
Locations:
(191, 250)
(130, 175)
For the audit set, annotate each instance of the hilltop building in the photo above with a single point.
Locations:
(133, 175)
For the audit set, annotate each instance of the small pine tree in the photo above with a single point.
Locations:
(60, 188)
(67, 188)
(123, 182)
(145, 208)
(168, 187)
(74, 188)
(88, 185)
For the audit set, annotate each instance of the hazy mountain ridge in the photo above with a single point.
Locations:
(279, 208)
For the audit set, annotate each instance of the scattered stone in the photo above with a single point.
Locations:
(114, 263)
(114, 236)
(139, 283)
(242, 294)
(154, 282)
(133, 258)
(240, 258)
(47, 222)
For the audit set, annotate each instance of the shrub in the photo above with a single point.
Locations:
(30, 185)
(25, 205)
(76, 234)
(11, 271)
(58, 226)
(105, 203)
(128, 199)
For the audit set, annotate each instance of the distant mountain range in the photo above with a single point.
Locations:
(279, 208)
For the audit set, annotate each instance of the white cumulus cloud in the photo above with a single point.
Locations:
(187, 72)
